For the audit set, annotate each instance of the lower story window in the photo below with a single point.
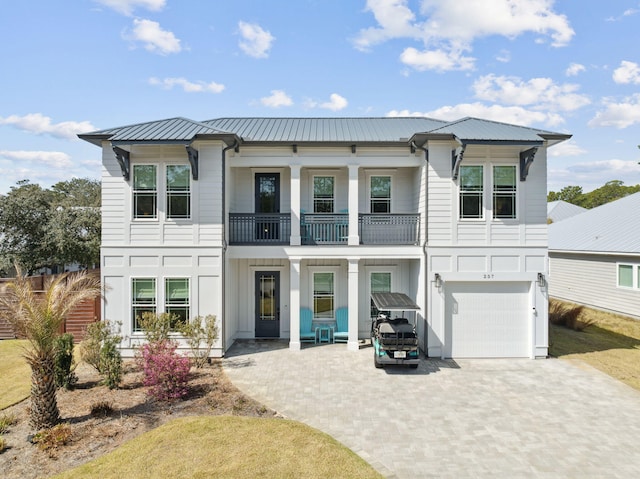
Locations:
(144, 299)
(176, 300)
(629, 276)
(323, 295)
(380, 283)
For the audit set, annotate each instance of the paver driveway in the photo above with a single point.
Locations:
(465, 418)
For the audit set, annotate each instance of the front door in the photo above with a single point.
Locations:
(267, 304)
(267, 203)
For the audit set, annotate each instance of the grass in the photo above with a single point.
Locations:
(611, 344)
(15, 374)
(228, 446)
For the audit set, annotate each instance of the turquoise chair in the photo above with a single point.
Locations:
(307, 332)
(341, 333)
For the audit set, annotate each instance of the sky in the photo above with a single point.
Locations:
(74, 66)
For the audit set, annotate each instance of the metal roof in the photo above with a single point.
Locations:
(611, 228)
(561, 210)
(321, 130)
(475, 129)
(329, 130)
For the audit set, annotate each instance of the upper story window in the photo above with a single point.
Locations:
(178, 192)
(145, 191)
(629, 276)
(143, 292)
(380, 194)
(471, 192)
(323, 194)
(504, 192)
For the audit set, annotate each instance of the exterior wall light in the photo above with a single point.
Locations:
(541, 281)
(438, 280)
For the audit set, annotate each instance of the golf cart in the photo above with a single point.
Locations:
(394, 340)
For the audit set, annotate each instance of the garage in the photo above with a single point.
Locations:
(487, 320)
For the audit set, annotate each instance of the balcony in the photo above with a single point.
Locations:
(259, 228)
(323, 229)
(391, 229)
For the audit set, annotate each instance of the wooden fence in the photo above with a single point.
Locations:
(75, 323)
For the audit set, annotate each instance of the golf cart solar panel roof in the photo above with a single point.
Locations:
(393, 302)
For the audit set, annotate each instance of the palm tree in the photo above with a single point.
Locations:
(38, 317)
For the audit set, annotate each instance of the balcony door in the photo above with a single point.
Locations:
(267, 200)
(267, 304)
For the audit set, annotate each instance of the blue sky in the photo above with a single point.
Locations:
(74, 66)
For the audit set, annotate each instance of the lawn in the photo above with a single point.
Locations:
(611, 344)
(15, 374)
(228, 446)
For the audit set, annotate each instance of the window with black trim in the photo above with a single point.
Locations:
(145, 191)
(178, 192)
(471, 191)
(504, 192)
(323, 194)
(381, 194)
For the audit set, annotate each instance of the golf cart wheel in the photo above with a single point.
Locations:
(413, 366)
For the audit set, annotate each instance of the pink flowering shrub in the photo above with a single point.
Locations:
(165, 372)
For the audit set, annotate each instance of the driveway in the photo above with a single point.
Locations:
(465, 418)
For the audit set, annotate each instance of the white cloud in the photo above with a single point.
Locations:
(336, 103)
(540, 93)
(507, 114)
(438, 60)
(619, 115)
(574, 69)
(566, 148)
(187, 86)
(450, 27)
(277, 99)
(256, 42)
(627, 72)
(54, 159)
(504, 56)
(154, 38)
(40, 125)
(126, 7)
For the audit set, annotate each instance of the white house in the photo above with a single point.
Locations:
(252, 219)
(595, 257)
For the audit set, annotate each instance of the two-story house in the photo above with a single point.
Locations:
(254, 219)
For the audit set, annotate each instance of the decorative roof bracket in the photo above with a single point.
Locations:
(192, 153)
(123, 160)
(526, 158)
(456, 159)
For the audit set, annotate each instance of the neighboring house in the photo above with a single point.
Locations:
(561, 210)
(252, 219)
(595, 257)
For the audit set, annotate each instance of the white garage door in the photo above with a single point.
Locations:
(487, 320)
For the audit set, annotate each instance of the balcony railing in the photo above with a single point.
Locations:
(259, 228)
(389, 228)
(324, 228)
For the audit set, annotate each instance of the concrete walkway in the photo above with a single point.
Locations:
(466, 418)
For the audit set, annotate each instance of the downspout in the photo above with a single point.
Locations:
(224, 242)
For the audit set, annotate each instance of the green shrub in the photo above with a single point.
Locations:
(157, 327)
(567, 315)
(3, 444)
(100, 350)
(64, 365)
(200, 334)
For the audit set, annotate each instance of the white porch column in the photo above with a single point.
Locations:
(352, 343)
(295, 205)
(354, 238)
(294, 302)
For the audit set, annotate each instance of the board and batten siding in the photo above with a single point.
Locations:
(591, 279)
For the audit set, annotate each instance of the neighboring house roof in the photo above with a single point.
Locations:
(561, 210)
(322, 130)
(611, 228)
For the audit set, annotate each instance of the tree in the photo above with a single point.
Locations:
(570, 194)
(611, 191)
(42, 228)
(38, 317)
